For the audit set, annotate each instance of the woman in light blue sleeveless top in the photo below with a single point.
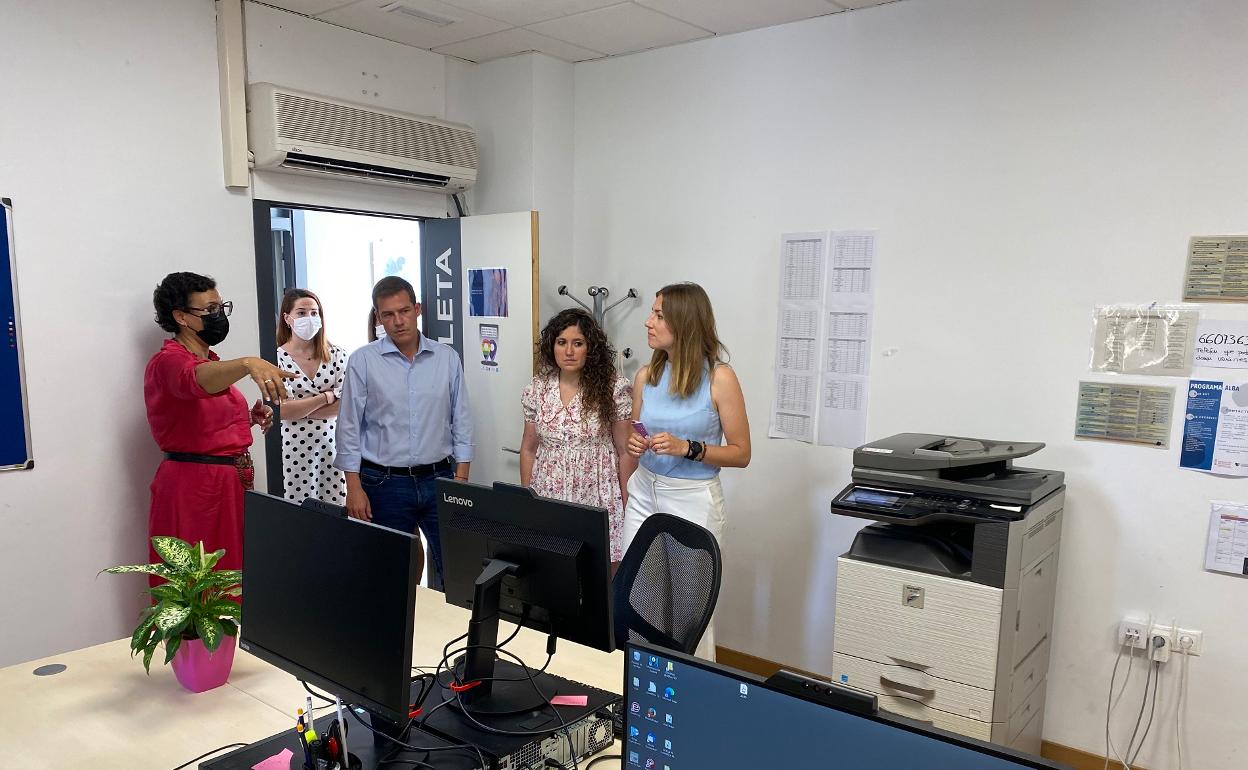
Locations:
(689, 404)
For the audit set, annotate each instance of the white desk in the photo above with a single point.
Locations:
(104, 712)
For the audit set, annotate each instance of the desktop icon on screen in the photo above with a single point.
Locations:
(636, 682)
(634, 758)
(635, 708)
(636, 656)
(633, 733)
(670, 692)
(667, 746)
(652, 713)
(652, 689)
(671, 667)
(651, 738)
(745, 689)
(654, 661)
(669, 720)
(650, 763)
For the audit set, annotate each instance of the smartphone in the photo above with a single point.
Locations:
(640, 428)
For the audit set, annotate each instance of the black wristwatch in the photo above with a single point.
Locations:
(695, 449)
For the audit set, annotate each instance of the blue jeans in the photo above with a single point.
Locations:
(405, 503)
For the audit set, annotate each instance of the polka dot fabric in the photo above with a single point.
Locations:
(308, 444)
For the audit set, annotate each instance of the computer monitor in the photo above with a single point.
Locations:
(683, 712)
(508, 554)
(331, 600)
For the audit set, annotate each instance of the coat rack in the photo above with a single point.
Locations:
(601, 308)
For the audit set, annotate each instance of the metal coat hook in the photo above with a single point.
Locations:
(600, 309)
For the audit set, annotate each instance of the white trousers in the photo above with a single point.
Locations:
(700, 501)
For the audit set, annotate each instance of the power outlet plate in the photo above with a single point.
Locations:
(1160, 643)
(1177, 636)
(1133, 632)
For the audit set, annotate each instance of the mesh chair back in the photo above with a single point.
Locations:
(667, 584)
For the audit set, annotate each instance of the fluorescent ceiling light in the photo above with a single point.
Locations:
(404, 9)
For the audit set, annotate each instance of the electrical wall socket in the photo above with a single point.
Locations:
(1133, 632)
(1160, 643)
(1177, 637)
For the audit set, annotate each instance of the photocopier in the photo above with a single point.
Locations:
(944, 604)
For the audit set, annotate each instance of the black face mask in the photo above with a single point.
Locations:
(216, 327)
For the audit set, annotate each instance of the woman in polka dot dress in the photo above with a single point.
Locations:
(310, 415)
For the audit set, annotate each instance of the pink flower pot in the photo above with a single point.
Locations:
(197, 669)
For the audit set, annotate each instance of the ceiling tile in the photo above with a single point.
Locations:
(310, 7)
(451, 26)
(727, 16)
(524, 12)
(513, 41)
(620, 29)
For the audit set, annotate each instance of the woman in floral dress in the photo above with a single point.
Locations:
(576, 422)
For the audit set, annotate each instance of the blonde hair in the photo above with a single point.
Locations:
(696, 348)
(320, 344)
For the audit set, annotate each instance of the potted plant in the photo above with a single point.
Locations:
(193, 616)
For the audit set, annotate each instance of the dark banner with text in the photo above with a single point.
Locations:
(440, 282)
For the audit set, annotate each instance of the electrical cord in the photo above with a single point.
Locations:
(530, 678)
(209, 754)
(351, 709)
(603, 758)
(1112, 701)
(1180, 705)
(1151, 712)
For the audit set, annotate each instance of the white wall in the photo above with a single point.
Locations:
(113, 160)
(112, 155)
(521, 108)
(1021, 161)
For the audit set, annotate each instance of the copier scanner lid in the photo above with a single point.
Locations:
(925, 451)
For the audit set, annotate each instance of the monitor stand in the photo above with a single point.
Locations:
(492, 687)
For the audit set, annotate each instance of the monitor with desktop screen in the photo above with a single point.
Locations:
(683, 713)
(331, 600)
(510, 555)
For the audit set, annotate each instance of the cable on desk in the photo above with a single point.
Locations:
(563, 729)
(603, 758)
(209, 754)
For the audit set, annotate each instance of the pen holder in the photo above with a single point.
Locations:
(322, 763)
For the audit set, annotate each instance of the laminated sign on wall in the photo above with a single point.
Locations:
(1215, 428)
(1144, 339)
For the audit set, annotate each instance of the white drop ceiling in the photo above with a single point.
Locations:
(571, 30)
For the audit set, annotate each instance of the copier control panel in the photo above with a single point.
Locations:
(883, 504)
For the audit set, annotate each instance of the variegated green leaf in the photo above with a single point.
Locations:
(167, 592)
(171, 648)
(171, 616)
(210, 560)
(159, 570)
(178, 554)
(147, 658)
(229, 627)
(233, 591)
(146, 628)
(209, 631)
(224, 608)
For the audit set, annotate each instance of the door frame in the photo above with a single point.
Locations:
(271, 281)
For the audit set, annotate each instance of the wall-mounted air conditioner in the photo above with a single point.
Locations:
(299, 132)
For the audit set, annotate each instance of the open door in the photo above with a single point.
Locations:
(478, 294)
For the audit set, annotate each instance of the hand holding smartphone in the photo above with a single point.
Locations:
(640, 428)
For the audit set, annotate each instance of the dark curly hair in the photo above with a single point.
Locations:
(599, 375)
(173, 293)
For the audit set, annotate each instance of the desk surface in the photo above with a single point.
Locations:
(104, 712)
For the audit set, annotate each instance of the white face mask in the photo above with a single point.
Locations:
(306, 327)
(380, 331)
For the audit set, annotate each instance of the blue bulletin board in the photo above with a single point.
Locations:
(14, 417)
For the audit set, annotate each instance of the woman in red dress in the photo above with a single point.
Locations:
(201, 421)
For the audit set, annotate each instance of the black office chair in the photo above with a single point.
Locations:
(667, 584)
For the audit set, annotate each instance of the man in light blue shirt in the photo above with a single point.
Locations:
(404, 422)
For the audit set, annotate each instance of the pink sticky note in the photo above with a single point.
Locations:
(570, 700)
(279, 761)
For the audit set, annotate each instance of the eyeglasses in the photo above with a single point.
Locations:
(214, 309)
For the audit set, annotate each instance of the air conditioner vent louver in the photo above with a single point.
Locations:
(299, 132)
(308, 120)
